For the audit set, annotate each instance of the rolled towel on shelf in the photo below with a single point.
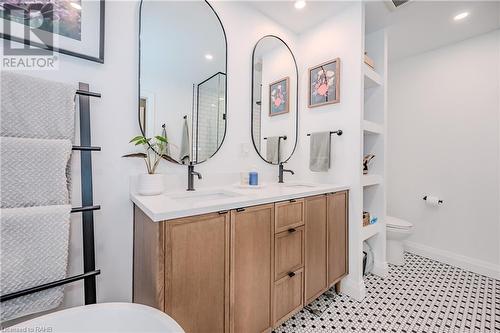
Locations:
(36, 108)
(320, 151)
(34, 251)
(33, 172)
(273, 150)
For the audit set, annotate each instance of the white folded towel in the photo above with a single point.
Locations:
(34, 251)
(36, 108)
(33, 172)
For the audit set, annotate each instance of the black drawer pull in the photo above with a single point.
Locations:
(293, 200)
(291, 274)
(240, 210)
(222, 212)
(292, 230)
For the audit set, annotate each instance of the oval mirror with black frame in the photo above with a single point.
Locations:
(274, 100)
(182, 78)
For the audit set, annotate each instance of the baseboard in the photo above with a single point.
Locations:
(353, 289)
(467, 263)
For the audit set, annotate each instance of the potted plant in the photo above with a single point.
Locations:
(150, 183)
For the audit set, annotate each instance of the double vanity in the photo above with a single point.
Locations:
(231, 259)
(239, 260)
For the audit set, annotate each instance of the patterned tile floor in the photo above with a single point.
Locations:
(421, 296)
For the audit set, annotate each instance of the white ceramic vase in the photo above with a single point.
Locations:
(150, 184)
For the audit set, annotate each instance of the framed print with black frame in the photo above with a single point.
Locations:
(72, 27)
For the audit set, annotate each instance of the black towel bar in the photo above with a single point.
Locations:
(49, 285)
(338, 132)
(85, 208)
(88, 93)
(86, 148)
(279, 137)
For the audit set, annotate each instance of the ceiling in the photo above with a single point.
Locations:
(415, 27)
(420, 26)
(298, 21)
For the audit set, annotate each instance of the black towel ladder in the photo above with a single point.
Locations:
(87, 209)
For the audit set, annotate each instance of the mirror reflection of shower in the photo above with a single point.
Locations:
(209, 117)
(183, 78)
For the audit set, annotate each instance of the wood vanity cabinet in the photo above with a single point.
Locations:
(289, 257)
(252, 252)
(338, 236)
(326, 242)
(316, 275)
(180, 267)
(241, 271)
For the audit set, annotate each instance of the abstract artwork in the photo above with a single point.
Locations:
(279, 99)
(324, 83)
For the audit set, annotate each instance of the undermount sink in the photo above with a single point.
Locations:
(204, 195)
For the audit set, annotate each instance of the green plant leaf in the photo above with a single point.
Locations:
(161, 138)
(136, 138)
(141, 142)
(168, 158)
(141, 155)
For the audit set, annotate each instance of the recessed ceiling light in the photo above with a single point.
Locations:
(461, 16)
(208, 56)
(76, 6)
(299, 4)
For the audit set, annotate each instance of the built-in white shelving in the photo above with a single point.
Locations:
(372, 78)
(371, 127)
(370, 180)
(371, 230)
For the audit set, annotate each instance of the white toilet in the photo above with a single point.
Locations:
(397, 231)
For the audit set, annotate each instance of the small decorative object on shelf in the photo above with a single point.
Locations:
(369, 61)
(366, 219)
(366, 160)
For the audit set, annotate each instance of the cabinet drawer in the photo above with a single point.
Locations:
(288, 296)
(288, 251)
(289, 214)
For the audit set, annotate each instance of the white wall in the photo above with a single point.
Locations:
(340, 36)
(443, 128)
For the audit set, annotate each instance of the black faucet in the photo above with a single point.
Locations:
(281, 170)
(191, 174)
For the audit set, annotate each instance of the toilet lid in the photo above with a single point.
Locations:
(394, 222)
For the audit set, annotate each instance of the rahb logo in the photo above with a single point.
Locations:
(26, 46)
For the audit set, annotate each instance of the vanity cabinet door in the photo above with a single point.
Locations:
(316, 247)
(252, 252)
(337, 236)
(197, 272)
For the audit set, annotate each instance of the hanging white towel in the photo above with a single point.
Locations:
(33, 172)
(185, 147)
(273, 150)
(36, 108)
(320, 150)
(37, 130)
(34, 251)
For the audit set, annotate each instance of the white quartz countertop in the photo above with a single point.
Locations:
(171, 205)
